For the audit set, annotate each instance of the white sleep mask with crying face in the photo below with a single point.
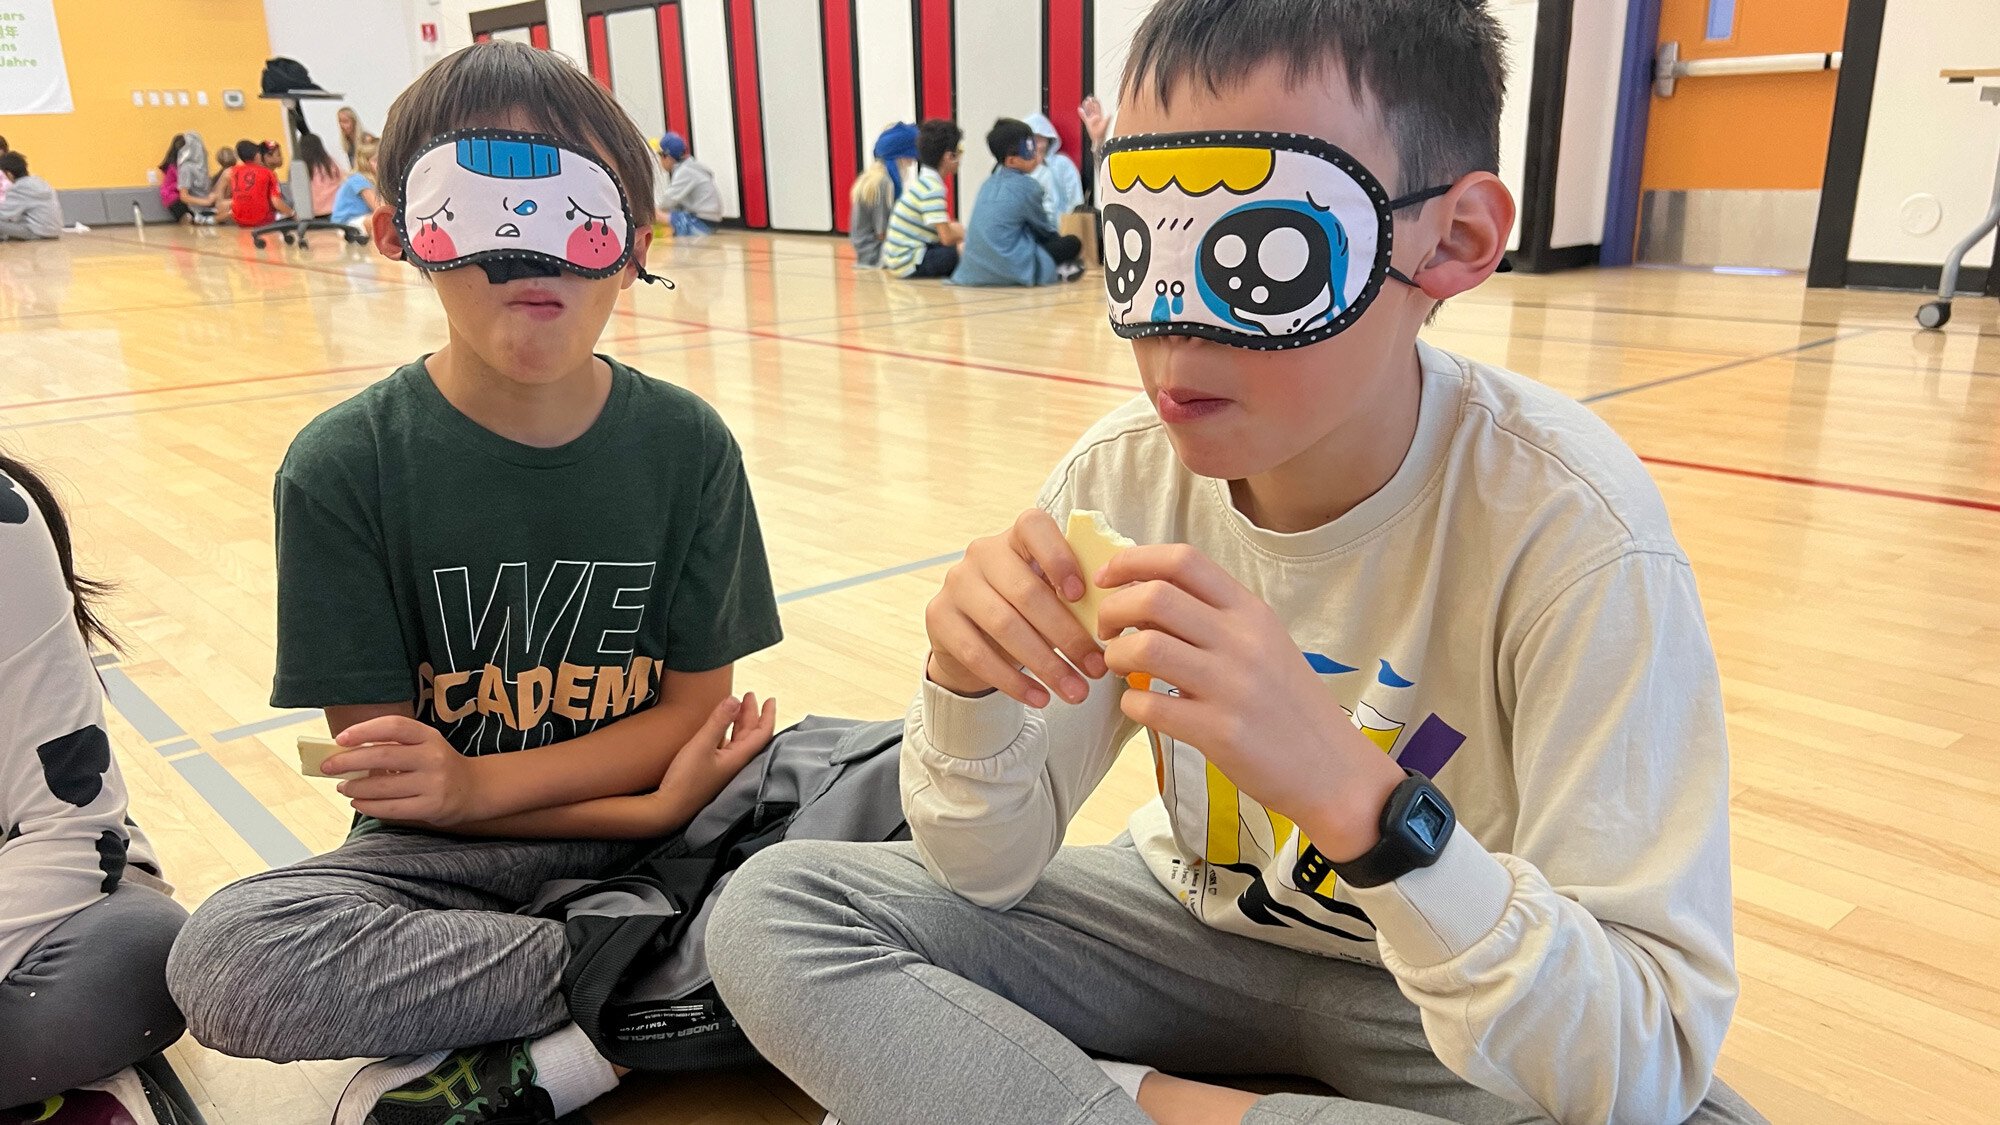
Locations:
(1252, 239)
(518, 204)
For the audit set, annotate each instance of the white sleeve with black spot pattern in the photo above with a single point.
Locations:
(63, 840)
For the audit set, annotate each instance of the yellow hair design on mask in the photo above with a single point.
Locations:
(1197, 171)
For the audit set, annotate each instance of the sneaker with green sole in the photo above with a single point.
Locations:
(492, 1084)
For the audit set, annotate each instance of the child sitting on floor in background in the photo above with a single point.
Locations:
(499, 757)
(30, 209)
(922, 240)
(1011, 240)
(873, 197)
(324, 174)
(355, 201)
(689, 201)
(1057, 173)
(253, 193)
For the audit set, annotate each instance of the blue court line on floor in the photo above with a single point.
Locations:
(864, 579)
(237, 807)
(264, 832)
(147, 717)
(261, 726)
(1720, 367)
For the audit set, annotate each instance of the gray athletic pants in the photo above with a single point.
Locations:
(396, 943)
(895, 1002)
(90, 999)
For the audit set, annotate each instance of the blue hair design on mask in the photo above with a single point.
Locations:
(509, 160)
(1325, 266)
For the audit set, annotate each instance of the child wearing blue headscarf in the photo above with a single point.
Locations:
(876, 190)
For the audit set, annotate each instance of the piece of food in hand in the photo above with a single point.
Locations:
(1094, 542)
(314, 751)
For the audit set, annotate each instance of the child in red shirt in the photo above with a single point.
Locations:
(253, 189)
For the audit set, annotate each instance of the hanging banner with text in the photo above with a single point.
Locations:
(32, 76)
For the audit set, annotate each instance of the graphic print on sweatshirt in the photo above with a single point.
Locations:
(530, 657)
(1245, 859)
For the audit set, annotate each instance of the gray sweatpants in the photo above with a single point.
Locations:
(396, 943)
(894, 1001)
(90, 999)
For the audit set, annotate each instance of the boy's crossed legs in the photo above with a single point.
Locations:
(894, 1001)
(394, 943)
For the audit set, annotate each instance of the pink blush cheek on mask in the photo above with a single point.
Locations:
(432, 244)
(593, 246)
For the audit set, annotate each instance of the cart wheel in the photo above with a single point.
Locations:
(258, 240)
(289, 238)
(302, 240)
(1935, 315)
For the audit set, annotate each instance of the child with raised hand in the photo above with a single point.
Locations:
(517, 576)
(1437, 726)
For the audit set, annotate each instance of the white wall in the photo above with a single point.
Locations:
(1928, 141)
(791, 69)
(1111, 31)
(455, 25)
(711, 102)
(999, 75)
(634, 39)
(369, 54)
(1517, 18)
(1590, 117)
(886, 45)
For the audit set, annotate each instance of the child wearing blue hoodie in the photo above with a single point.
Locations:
(1057, 173)
(1010, 239)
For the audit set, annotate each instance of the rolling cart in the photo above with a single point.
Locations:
(294, 230)
(1937, 313)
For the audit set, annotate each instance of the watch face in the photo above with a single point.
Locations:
(1427, 820)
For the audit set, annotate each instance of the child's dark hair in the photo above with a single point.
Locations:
(1010, 137)
(173, 151)
(246, 151)
(14, 164)
(1434, 68)
(312, 150)
(491, 83)
(84, 592)
(937, 139)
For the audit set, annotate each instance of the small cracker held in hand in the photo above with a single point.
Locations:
(1094, 542)
(313, 751)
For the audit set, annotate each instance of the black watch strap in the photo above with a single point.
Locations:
(1416, 825)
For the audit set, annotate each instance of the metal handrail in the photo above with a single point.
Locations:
(1669, 68)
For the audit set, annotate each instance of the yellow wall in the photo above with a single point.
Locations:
(113, 47)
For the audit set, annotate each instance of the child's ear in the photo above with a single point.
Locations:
(1479, 218)
(388, 240)
(641, 243)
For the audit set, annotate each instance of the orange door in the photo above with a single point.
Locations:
(1733, 162)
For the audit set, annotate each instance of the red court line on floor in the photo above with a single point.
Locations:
(246, 258)
(1816, 482)
(249, 379)
(949, 361)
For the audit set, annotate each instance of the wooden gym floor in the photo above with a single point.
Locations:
(1834, 474)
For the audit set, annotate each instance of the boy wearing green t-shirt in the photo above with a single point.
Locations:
(517, 576)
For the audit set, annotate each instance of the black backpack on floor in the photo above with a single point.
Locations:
(637, 981)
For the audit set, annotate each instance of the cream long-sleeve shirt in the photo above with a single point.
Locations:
(1511, 616)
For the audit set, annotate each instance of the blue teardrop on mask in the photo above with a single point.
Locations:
(526, 207)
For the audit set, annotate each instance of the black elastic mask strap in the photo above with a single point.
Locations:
(1411, 200)
(655, 279)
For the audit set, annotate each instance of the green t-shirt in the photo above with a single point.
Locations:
(520, 596)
